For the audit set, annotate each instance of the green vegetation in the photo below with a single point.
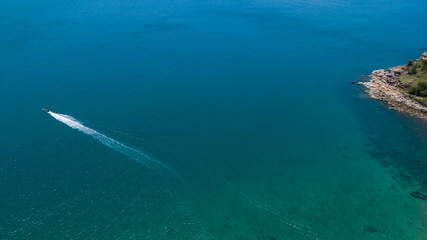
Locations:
(412, 70)
(421, 100)
(419, 88)
(416, 80)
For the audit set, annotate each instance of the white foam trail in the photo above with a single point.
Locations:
(300, 230)
(136, 155)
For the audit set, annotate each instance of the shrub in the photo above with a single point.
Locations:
(422, 85)
(424, 64)
(413, 90)
(418, 89)
(412, 70)
(409, 62)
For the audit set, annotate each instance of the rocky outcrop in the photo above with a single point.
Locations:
(385, 86)
(423, 56)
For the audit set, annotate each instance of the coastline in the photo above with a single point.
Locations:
(386, 86)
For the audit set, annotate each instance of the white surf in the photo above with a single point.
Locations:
(132, 153)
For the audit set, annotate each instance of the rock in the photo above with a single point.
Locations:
(352, 82)
(423, 56)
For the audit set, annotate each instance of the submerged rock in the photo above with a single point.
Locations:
(419, 195)
(370, 229)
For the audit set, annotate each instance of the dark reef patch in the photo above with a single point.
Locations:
(370, 229)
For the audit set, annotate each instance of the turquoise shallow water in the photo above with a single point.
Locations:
(248, 102)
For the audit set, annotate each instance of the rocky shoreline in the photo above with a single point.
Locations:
(385, 86)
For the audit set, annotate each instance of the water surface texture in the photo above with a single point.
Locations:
(207, 120)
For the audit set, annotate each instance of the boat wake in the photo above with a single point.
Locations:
(132, 153)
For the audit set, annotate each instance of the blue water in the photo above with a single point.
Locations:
(237, 120)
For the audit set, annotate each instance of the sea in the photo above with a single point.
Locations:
(195, 119)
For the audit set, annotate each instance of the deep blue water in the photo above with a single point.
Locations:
(248, 102)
